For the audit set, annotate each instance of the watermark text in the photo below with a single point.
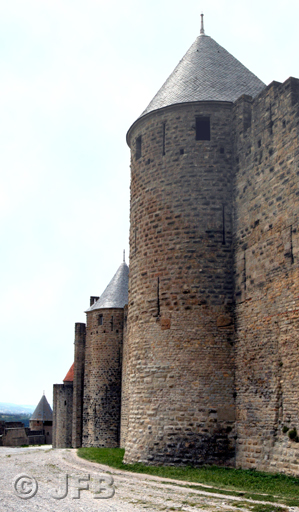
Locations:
(101, 486)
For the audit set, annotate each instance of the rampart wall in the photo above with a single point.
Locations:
(62, 415)
(267, 278)
(15, 437)
(124, 385)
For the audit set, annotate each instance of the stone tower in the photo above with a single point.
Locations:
(63, 411)
(103, 356)
(78, 384)
(178, 374)
(42, 419)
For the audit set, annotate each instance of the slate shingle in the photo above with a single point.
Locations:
(43, 411)
(116, 293)
(207, 72)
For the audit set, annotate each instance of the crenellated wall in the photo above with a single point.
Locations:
(267, 277)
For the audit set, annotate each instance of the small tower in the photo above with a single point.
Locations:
(103, 355)
(179, 377)
(42, 418)
(78, 384)
(63, 411)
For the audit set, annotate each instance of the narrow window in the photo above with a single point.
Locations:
(111, 322)
(203, 128)
(164, 129)
(138, 147)
(100, 320)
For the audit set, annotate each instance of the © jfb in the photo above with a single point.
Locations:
(101, 486)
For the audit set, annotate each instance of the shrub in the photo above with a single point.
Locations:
(292, 434)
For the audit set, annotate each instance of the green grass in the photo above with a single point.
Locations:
(260, 507)
(236, 482)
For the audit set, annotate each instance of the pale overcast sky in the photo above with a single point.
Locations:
(74, 75)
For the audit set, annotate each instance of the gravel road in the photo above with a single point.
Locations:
(132, 492)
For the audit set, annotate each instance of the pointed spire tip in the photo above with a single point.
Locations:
(202, 30)
(124, 256)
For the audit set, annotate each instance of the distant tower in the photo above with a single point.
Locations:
(63, 411)
(42, 419)
(178, 383)
(103, 355)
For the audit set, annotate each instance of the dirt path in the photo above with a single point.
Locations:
(132, 492)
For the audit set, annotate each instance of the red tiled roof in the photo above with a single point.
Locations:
(70, 375)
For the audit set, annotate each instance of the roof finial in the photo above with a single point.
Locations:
(202, 30)
(124, 256)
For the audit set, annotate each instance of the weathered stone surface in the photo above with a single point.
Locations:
(102, 377)
(200, 212)
(209, 343)
(266, 244)
(62, 415)
(179, 364)
(78, 384)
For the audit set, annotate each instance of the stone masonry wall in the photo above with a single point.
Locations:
(124, 387)
(15, 437)
(267, 278)
(36, 424)
(179, 369)
(102, 385)
(62, 415)
(44, 426)
(78, 384)
(48, 431)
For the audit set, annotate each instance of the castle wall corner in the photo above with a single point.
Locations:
(62, 415)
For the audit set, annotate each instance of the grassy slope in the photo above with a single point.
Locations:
(246, 483)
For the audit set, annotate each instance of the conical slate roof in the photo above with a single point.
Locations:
(116, 293)
(206, 73)
(43, 411)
